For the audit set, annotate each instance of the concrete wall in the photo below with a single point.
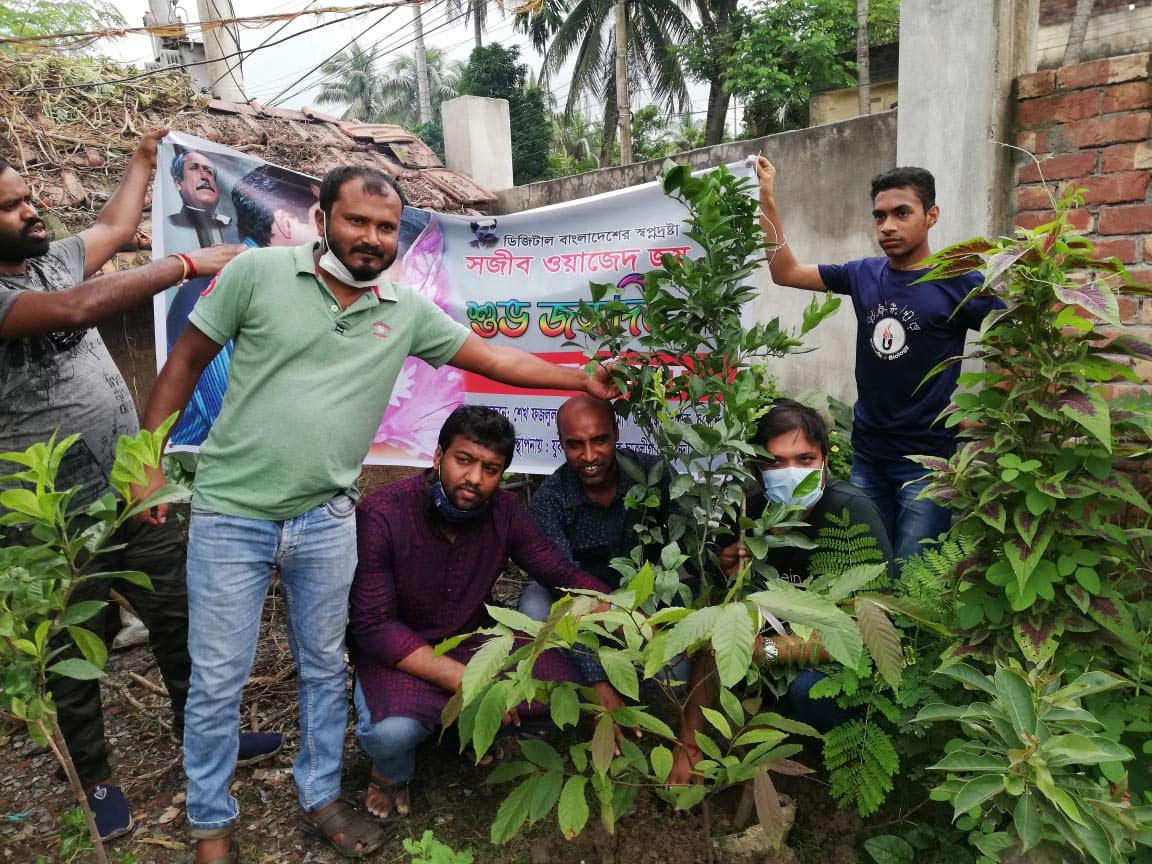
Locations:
(478, 139)
(822, 184)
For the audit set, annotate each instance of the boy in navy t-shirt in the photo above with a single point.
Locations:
(903, 331)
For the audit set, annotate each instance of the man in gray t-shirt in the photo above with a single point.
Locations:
(56, 376)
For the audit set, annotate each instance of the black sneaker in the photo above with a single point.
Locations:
(110, 810)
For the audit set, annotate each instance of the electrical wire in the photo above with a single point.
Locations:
(211, 87)
(150, 72)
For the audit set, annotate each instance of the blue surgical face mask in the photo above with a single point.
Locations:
(780, 486)
(337, 268)
(449, 511)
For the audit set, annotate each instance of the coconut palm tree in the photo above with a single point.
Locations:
(353, 82)
(588, 36)
(387, 95)
(577, 138)
(476, 12)
(398, 98)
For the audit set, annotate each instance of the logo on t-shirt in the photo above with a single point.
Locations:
(381, 330)
(889, 340)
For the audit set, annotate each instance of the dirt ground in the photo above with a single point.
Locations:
(449, 795)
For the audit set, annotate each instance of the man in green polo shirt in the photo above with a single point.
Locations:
(319, 339)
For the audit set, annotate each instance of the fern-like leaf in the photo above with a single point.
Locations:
(882, 640)
(861, 761)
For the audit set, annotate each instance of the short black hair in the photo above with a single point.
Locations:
(375, 181)
(788, 415)
(482, 426)
(264, 190)
(177, 166)
(918, 180)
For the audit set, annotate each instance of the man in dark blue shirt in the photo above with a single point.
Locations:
(903, 331)
(580, 508)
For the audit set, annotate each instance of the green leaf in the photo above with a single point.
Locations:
(572, 814)
(1091, 411)
(545, 794)
(732, 641)
(661, 758)
(718, 721)
(890, 849)
(485, 664)
(564, 706)
(882, 639)
(76, 668)
(641, 584)
(1017, 697)
(603, 744)
(80, 612)
(1089, 684)
(838, 632)
(541, 753)
(621, 672)
(1062, 750)
(732, 706)
(966, 760)
(489, 716)
(1026, 819)
(967, 675)
(514, 620)
(90, 645)
(693, 629)
(975, 792)
(513, 812)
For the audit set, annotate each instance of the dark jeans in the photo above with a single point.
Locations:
(890, 485)
(159, 552)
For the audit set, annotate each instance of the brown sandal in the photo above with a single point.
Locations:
(342, 818)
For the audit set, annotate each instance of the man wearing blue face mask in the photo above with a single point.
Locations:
(797, 438)
(430, 549)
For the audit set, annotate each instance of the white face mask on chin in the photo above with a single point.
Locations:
(336, 268)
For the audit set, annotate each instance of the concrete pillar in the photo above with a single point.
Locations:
(958, 59)
(222, 51)
(478, 139)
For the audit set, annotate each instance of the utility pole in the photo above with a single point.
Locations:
(423, 96)
(623, 96)
(222, 50)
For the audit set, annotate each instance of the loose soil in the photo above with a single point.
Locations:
(449, 794)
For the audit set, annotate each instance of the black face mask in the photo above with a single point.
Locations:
(449, 511)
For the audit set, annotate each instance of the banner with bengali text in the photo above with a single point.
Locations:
(513, 280)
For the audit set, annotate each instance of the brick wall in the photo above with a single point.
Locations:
(1090, 125)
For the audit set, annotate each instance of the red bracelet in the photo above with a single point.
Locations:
(189, 263)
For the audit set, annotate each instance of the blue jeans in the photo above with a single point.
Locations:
(821, 714)
(390, 743)
(230, 562)
(889, 484)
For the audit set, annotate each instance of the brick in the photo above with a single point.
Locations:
(1146, 312)
(1036, 84)
(1112, 188)
(1033, 198)
(1072, 106)
(1059, 167)
(1148, 248)
(1129, 309)
(1133, 219)
(1080, 219)
(1125, 248)
(1127, 157)
(1108, 130)
(1142, 276)
(1143, 368)
(1126, 97)
(1114, 70)
(1033, 141)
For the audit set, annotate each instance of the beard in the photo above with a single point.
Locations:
(368, 271)
(18, 246)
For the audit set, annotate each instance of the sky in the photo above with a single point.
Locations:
(269, 71)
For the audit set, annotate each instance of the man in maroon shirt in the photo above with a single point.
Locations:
(430, 548)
